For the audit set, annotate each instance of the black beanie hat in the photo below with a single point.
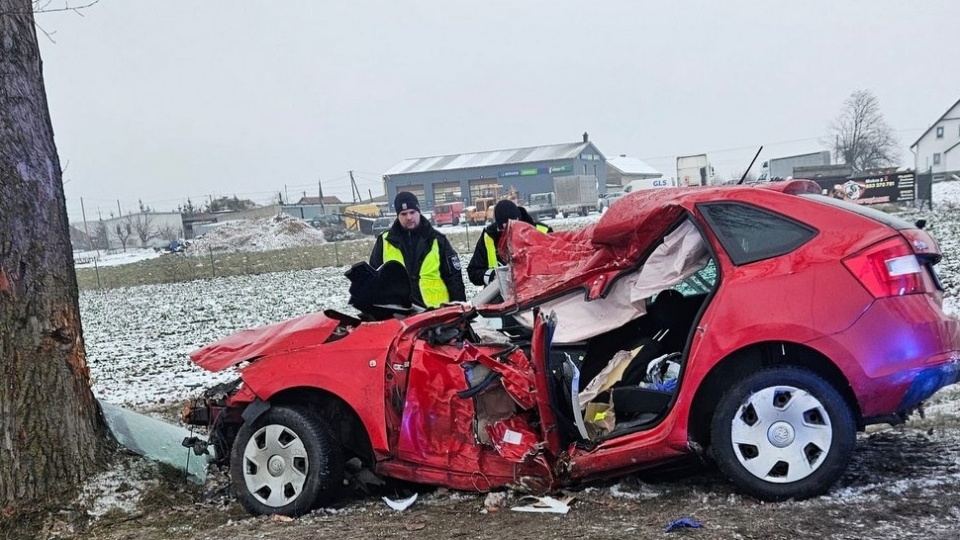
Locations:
(406, 201)
(503, 211)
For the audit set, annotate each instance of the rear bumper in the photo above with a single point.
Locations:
(927, 382)
(897, 354)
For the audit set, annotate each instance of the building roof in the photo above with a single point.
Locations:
(327, 199)
(487, 159)
(631, 165)
(933, 125)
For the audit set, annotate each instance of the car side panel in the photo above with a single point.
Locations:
(351, 368)
(804, 296)
(438, 427)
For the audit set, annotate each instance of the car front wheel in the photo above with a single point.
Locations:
(285, 462)
(783, 433)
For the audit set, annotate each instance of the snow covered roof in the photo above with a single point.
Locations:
(632, 165)
(490, 158)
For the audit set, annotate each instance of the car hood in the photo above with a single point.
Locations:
(309, 330)
(547, 265)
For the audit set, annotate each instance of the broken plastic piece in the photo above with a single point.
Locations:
(402, 504)
(682, 523)
(546, 505)
(157, 440)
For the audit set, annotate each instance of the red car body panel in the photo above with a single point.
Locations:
(307, 331)
(351, 368)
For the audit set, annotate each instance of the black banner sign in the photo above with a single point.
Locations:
(877, 189)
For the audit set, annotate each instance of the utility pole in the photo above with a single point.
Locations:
(353, 188)
(119, 212)
(86, 230)
(323, 211)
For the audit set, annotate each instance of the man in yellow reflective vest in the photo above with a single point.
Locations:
(431, 262)
(485, 257)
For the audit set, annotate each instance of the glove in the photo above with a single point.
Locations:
(489, 276)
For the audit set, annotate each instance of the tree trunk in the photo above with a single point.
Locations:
(51, 429)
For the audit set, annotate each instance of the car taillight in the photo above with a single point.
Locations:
(889, 268)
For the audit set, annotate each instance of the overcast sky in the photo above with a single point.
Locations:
(161, 100)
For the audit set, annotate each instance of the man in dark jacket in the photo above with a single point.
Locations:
(430, 260)
(485, 258)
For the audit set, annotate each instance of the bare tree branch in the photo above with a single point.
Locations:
(859, 134)
(43, 7)
(37, 8)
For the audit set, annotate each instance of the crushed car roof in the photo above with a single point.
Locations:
(543, 266)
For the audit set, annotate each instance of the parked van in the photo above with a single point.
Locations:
(648, 183)
(447, 213)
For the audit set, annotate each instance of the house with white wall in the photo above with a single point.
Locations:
(938, 150)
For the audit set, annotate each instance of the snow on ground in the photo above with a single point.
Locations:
(278, 232)
(138, 338)
(89, 259)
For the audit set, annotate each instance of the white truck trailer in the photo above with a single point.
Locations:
(694, 170)
(780, 168)
(575, 194)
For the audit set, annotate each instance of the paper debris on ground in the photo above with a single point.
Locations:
(401, 504)
(546, 504)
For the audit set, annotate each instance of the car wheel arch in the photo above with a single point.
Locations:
(783, 433)
(286, 462)
(755, 357)
(339, 416)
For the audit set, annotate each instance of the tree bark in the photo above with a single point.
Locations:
(51, 429)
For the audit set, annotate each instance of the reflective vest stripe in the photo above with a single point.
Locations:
(491, 251)
(542, 228)
(432, 288)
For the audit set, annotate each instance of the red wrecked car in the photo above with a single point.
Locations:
(762, 326)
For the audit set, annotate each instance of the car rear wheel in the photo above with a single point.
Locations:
(285, 462)
(783, 433)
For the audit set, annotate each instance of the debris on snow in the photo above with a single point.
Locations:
(156, 440)
(546, 505)
(494, 500)
(682, 523)
(401, 504)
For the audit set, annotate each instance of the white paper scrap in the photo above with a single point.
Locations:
(402, 504)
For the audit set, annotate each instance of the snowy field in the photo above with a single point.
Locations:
(138, 338)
